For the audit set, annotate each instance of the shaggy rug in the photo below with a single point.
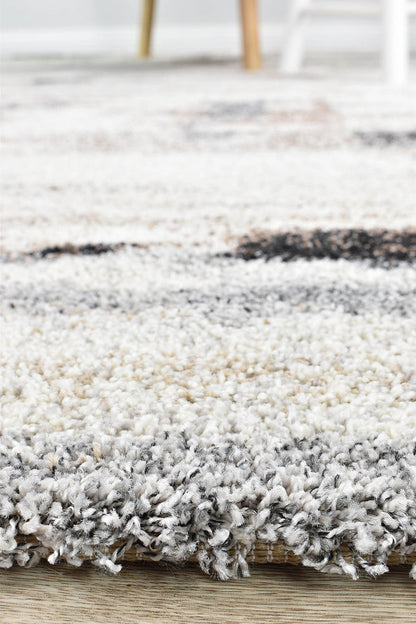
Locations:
(209, 317)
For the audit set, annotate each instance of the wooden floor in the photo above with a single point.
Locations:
(150, 593)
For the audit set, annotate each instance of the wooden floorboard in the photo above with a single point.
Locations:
(148, 593)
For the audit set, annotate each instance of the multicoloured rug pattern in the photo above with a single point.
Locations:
(209, 317)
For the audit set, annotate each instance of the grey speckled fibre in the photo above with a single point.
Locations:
(208, 318)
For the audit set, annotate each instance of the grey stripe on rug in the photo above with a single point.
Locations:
(212, 353)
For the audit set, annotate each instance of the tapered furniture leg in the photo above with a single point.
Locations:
(146, 28)
(250, 32)
(293, 45)
(395, 41)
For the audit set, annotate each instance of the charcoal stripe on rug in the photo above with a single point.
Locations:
(206, 350)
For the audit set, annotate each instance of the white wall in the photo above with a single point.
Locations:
(30, 27)
(46, 14)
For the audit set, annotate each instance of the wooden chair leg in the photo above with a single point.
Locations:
(250, 32)
(146, 27)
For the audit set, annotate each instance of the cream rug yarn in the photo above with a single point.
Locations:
(209, 316)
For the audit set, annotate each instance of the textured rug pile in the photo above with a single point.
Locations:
(209, 317)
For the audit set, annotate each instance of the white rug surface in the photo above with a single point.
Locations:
(209, 315)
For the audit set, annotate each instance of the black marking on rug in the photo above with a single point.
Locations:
(378, 246)
(380, 138)
(89, 249)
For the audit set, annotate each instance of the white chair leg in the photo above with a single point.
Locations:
(395, 41)
(293, 45)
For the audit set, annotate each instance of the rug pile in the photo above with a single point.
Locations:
(209, 318)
